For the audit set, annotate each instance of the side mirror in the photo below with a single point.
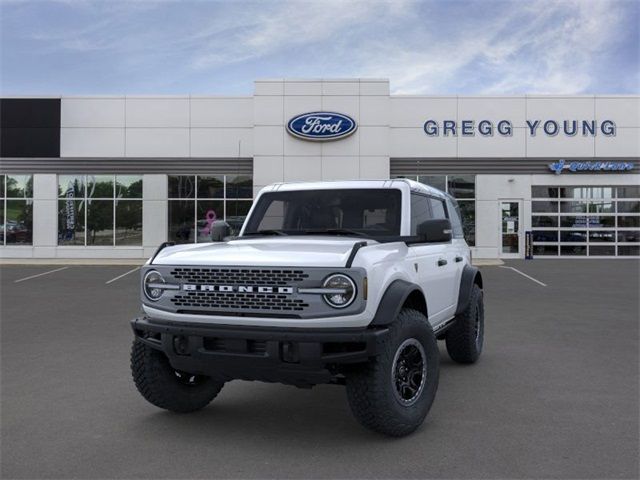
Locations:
(435, 231)
(219, 230)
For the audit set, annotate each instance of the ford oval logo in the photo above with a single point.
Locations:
(321, 126)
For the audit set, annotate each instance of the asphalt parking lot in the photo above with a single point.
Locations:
(555, 394)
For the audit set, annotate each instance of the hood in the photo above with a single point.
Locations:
(310, 251)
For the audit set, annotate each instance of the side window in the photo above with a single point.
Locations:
(420, 211)
(454, 216)
(437, 206)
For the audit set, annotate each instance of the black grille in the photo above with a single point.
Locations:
(248, 276)
(239, 301)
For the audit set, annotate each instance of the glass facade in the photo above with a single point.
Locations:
(100, 210)
(16, 215)
(585, 221)
(196, 201)
(463, 189)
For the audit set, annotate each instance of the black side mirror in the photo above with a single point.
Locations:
(219, 230)
(435, 230)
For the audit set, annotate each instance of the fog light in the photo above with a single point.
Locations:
(345, 290)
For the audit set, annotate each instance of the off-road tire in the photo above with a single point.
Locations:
(465, 337)
(161, 385)
(371, 387)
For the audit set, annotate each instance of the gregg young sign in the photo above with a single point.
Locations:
(550, 128)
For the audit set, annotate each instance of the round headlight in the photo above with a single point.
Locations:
(344, 290)
(150, 285)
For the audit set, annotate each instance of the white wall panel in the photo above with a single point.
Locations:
(413, 142)
(374, 87)
(157, 112)
(626, 143)
(269, 87)
(302, 169)
(345, 146)
(221, 112)
(560, 108)
(346, 105)
(340, 168)
(374, 110)
(92, 142)
(268, 140)
(303, 88)
(297, 147)
(560, 146)
(624, 111)
(157, 142)
(414, 111)
(374, 168)
(221, 142)
(267, 170)
(268, 110)
(92, 112)
(374, 141)
(493, 109)
(496, 146)
(295, 105)
(341, 87)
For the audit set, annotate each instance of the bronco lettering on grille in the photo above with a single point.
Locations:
(237, 288)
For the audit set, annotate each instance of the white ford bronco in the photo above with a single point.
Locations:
(349, 283)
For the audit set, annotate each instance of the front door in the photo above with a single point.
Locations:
(511, 235)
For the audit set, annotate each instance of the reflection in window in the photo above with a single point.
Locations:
(196, 201)
(91, 212)
(16, 203)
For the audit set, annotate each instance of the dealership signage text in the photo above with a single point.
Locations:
(550, 128)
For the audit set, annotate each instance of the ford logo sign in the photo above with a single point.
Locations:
(321, 126)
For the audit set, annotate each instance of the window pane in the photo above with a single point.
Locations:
(71, 186)
(455, 218)
(602, 207)
(128, 186)
(100, 186)
(596, 236)
(600, 221)
(181, 221)
(544, 207)
(70, 222)
(208, 212)
(571, 221)
(569, 250)
(182, 186)
(468, 212)
(100, 222)
(2, 225)
(573, 236)
(629, 250)
(629, 235)
(540, 221)
(20, 186)
(573, 207)
(239, 186)
(2, 188)
(128, 222)
(544, 192)
(629, 207)
(420, 211)
(210, 186)
(601, 192)
(462, 186)
(545, 236)
(629, 192)
(624, 221)
(237, 211)
(601, 250)
(545, 250)
(435, 181)
(19, 223)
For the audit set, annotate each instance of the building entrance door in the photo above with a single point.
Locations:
(511, 235)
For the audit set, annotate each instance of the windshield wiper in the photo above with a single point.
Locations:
(336, 231)
(266, 232)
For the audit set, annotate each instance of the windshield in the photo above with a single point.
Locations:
(359, 212)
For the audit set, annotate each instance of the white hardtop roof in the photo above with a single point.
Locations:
(351, 184)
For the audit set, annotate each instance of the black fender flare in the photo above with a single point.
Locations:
(470, 275)
(392, 301)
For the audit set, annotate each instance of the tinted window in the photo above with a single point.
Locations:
(374, 212)
(420, 211)
(437, 208)
(454, 216)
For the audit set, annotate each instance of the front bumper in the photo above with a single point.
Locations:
(300, 357)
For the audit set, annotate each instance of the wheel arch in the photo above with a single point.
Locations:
(470, 276)
(399, 294)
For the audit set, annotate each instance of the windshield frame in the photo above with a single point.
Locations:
(251, 225)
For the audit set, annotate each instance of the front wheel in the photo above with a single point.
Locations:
(394, 392)
(165, 387)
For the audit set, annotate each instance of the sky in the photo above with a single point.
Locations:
(76, 47)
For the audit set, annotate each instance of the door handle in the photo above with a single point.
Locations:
(442, 262)
(458, 259)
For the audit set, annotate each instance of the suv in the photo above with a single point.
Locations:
(349, 283)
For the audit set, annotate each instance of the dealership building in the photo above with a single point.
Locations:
(115, 176)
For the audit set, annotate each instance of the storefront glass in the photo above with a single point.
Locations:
(196, 201)
(16, 215)
(585, 221)
(100, 210)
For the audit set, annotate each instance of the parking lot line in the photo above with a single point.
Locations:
(525, 275)
(120, 276)
(40, 274)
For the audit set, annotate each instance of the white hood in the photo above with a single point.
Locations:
(310, 251)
